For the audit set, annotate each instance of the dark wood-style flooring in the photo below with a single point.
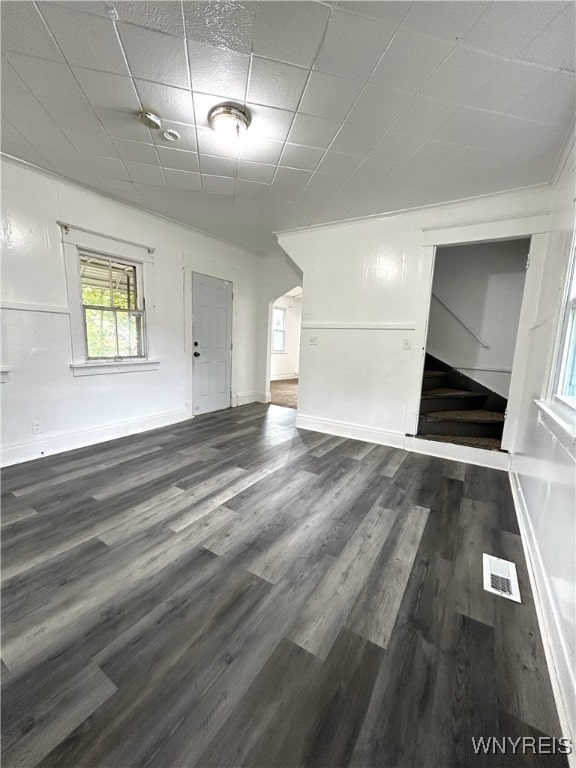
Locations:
(231, 591)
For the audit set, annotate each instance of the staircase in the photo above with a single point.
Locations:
(456, 409)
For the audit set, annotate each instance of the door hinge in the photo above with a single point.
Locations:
(528, 261)
(505, 414)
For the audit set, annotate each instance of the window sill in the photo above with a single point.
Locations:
(99, 367)
(558, 421)
(280, 352)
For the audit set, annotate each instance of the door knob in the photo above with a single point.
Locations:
(196, 354)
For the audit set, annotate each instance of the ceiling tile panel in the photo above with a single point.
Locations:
(275, 84)
(395, 145)
(187, 135)
(218, 70)
(353, 45)
(261, 150)
(463, 73)
(329, 96)
(24, 30)
(423, 116)
(313, 131)
(178, 159)
(145, 174)
(289, 184)
(137, 151)
(174, 104)
(269, 123)
(71, 114)
(155, 56)
(450, 20)
(27, 109)
(182, 179)
(209, 143)
(165, 16)
(51, 79)
(218, 166)
(94, 45)
(507, 27)
(399, 68)
(227, 24)
(93, 142)
(289, 31)
(338, 163)
(43, 137)
(123, 125)
(303, 158)
(251, 189)
(103, 89)
(260, 172)
(391, 11)
(218, 185)
(556, 45)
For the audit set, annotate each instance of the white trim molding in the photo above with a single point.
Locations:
(67, 441)
(99, 367)
(343, 326)
(463, 453)
(20, 306)
(559, 656)
(4, 371)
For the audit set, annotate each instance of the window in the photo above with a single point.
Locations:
(565, 385)
(113, 308)
(278, 330)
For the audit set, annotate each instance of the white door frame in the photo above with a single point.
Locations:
(534, 227)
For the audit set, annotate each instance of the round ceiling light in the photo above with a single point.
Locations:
(171, 135)
(150, 120)
(228, 120)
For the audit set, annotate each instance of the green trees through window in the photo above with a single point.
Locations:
(113, 312)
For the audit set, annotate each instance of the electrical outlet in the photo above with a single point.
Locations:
(313, 340)
(36, 428)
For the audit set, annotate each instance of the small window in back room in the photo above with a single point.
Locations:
(113, 308)
(278, 330)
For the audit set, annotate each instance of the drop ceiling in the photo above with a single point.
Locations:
(357, 108)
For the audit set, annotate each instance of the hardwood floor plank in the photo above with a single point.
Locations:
(375, 611)
(330, 603)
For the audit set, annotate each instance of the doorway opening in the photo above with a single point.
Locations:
(285, 348)
(475, 306)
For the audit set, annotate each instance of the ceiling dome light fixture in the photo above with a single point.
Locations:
(228, 120)
(150, 120)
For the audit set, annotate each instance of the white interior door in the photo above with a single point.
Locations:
(212, 343)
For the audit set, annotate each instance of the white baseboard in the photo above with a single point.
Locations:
(463, 453)
(284, 376)
(244, 398)
(558, 654)
(66, 441)
(262, 397)
(353, 431)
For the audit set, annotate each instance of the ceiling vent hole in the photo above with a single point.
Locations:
(171, 135)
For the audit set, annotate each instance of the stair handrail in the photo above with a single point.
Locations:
(451, 311)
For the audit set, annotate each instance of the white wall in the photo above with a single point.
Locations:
(483, 284)
(544, 460)
(40, 386)
(366, 294)
(284, 365)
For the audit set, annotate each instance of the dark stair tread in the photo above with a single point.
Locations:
(480, 416)
(449, 392)
(486, 443)
(432, 374)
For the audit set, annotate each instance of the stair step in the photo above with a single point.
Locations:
(476, 428)
(434, 379)
(450, 392)
(476, 416)
(487, 443)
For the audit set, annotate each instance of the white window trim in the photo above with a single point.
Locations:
(76, 241)
(559, 410)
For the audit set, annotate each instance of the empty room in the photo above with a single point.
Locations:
(288, 378)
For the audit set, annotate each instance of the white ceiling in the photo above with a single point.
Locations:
(357, 107)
